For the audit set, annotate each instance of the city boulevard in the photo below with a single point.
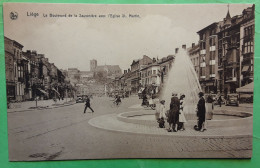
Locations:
(66, 133)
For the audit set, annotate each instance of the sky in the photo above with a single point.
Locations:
(71, 42)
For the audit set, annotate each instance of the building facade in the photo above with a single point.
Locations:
(226, 53)
(247, 32)
(10, 69)
(135, 75)
(194, 57)
(236, 51)
(30, 75)
(208, 55)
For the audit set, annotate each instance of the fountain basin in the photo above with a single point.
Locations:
(221, 118)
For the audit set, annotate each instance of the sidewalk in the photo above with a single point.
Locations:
(41, 104)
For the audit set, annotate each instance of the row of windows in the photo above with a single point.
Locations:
(148, 81)
(145, 74)
(195, 61)
(249, 30)
(18, 54)
(248, 47)
(211, 70)
(212, 41)
(19, 89)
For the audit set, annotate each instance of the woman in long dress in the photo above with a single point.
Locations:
(174, 111)
(182, 118)
(162, 114)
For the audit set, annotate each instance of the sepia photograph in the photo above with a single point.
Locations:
(99, 81)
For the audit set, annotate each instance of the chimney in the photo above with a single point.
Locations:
(128, 69)
(192, 45)
(176, 50)
(184, 46)
(125, 71)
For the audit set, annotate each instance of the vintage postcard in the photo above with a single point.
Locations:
(98, 81)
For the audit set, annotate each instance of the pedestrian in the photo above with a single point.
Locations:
(144, 100)
(87, 105)
(117, 100)
(174, 112)
(162, 114)
(182, 118)
(219, 100)
(201, 112)
(209, 107)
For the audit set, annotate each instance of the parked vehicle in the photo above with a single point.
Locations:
(232, 99)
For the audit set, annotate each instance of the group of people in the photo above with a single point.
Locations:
(175, 116)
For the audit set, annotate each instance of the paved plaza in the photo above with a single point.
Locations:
(64, 132)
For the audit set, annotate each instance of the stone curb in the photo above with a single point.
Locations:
(26, 110)
(247, 120)
(167, 135)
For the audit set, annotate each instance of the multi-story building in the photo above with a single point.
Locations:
(208, 55)
(30, 75)
(26, 78)
(165, 65)
(135, 72)
(153, 75)
(150, 76)
(74, 76)
(229, 54)
(10, 69)
(236, 55)
(247, 32)
(128, 81)
(86, 76)
(194, 51)
(33, 73)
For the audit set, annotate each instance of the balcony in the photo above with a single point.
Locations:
(212, 62)
(203, 64)
(212, 48)
(202, 52)
(212, 75)
(231, 79)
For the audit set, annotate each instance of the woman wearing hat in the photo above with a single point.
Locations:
(174, 111)
(182, 118)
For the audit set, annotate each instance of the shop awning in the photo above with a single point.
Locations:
(43, 91)
(245, 68)
(249, 88)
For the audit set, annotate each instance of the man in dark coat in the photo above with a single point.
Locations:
(201, 113)
(174, 112)
(219, 100)
(87, 105)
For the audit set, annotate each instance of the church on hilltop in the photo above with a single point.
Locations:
(107, 71)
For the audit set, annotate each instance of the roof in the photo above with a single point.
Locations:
(110, 68)
(249, 88)
(150, 65)
(208, 27)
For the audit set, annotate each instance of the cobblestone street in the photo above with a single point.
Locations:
(67, 133)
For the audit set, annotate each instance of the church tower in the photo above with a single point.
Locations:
(93, 65)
